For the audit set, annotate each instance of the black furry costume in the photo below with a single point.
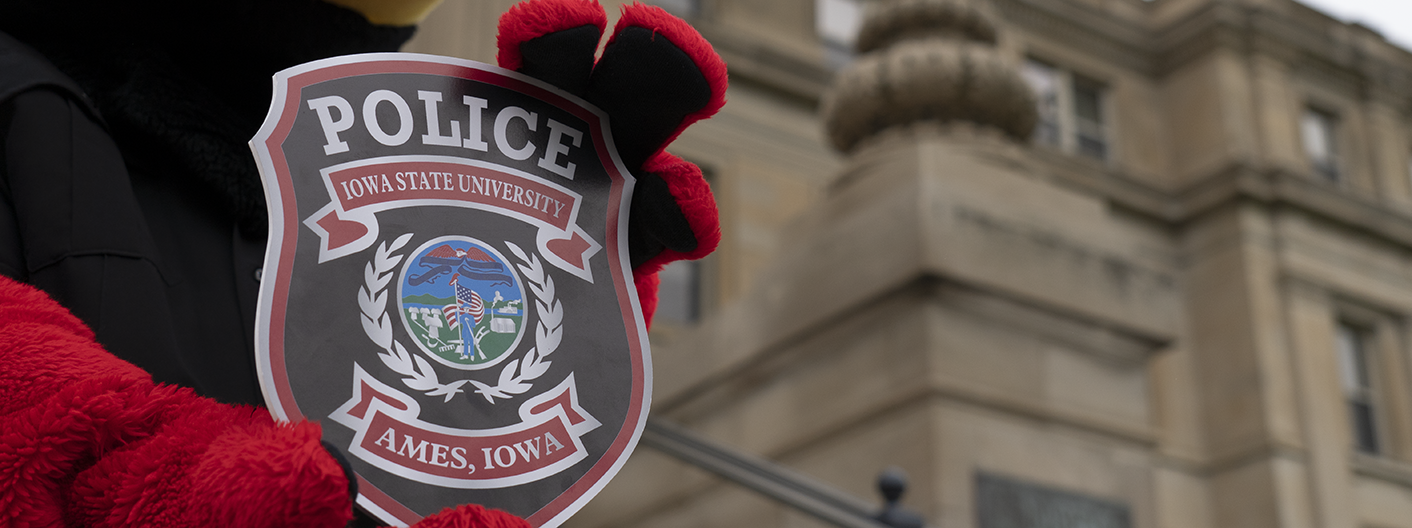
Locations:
(181, 100)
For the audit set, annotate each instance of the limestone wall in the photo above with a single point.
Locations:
(1154, 329)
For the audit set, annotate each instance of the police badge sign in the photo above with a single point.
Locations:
(447, 285)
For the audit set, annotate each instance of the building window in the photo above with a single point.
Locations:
(679, 294)
(837, 23)
(1355, 367)
(1319, 130)
(1046, 82)
(1071, 110)
(1002, 502)
(1409, 171)
(1088, 118)
(683, 290)
(681, 8)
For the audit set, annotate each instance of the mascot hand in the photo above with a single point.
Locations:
(87, 439)
(656, 76)
(471, 516)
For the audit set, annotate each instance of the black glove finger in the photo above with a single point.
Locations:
(650, 81)
(657, 222)
(552, 40)
(563, 58)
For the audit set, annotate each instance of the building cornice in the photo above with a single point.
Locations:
(1350, 53)
(1300, 36)
(1086, 29)
(758, 62)
(1233, 184)
(1293, 34)
(1385, 469)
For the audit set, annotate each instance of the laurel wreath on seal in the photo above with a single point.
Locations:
(515, 379)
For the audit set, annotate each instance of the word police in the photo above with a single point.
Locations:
(336, 116)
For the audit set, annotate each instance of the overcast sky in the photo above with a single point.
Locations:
(1392, 18)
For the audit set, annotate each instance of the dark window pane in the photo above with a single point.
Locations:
(1365, 434)
(679, 295)
(681, 8)
(1093, 147)
(1088, 97)
(1047, 133)
(1088, 118)
(1328, 170)
(1360, 359)
(1007, 503)
(1355, 374)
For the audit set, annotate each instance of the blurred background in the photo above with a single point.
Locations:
(1067, 263)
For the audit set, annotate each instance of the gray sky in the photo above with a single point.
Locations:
(1392, 18)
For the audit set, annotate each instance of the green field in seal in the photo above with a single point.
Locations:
(430, 327)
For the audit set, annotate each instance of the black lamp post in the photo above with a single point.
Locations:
(892, 482)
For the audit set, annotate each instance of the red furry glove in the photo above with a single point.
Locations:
(87, 439)
(471, 516)
(656, 76)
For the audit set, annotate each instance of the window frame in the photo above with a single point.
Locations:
(839, 48)
(687, 9)
(1068, 127)
(1362, 387)
(1388, 336)
(1332, 169)
(1407, 153)
(704, 280)
(693, 306)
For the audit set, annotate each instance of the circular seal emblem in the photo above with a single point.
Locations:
(462, 302)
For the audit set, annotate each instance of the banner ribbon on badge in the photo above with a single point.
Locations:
(360, 189)
(388, 434)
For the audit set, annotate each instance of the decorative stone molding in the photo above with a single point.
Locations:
(926, 60)
(889, 22)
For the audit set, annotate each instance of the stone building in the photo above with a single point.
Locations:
(1066, 262)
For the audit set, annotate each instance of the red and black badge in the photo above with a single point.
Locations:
(448, 281)
(454, 286)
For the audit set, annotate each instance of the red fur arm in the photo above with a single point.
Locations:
(87, 438)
